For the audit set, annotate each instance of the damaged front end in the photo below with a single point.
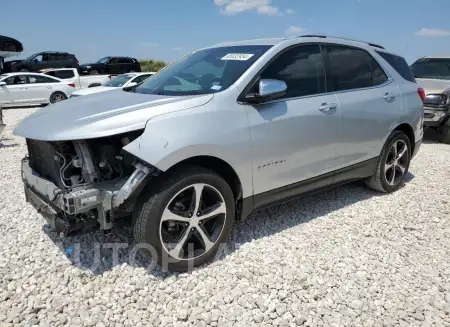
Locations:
(84, 185)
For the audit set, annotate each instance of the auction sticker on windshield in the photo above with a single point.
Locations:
(238, 56)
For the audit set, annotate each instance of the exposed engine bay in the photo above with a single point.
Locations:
(84, 184)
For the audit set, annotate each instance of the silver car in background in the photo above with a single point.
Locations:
(218, 134)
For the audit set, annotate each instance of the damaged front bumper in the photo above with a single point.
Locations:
(82, 208)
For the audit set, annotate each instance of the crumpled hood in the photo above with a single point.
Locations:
(101, 114)
(434, 86)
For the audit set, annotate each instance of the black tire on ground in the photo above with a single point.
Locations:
(153, 202)
(57, 97)
(94, 72)
(132, 71)
(24, 70)
(445, 132)
(379, 181)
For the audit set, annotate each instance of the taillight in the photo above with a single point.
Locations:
(71, 84)
(421, 92)
(109, 76)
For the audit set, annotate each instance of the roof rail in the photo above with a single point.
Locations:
(324, 36)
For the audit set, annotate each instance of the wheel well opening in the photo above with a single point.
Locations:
(407, 129)
(218, 166)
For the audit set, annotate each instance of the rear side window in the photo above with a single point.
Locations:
(64, 74)
(351, 68)
(399, 64)
(125, 61)
(302, 69)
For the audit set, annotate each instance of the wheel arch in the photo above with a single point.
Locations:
(408, 130)
(219, 166)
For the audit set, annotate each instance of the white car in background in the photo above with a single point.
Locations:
(71, 75)
(32, 88)
(122, 81)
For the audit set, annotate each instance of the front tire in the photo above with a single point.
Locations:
(185, 218)
(57, 97)
(392, 165)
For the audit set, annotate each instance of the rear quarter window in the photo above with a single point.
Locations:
(399, 64)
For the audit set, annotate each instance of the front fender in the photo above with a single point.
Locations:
(224, 134)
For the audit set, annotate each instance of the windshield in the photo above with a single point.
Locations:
(118, 81)
(31, 57)
(431, 68)
(203, 72)
(103, 60)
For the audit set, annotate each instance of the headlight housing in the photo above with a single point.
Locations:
(436, 99)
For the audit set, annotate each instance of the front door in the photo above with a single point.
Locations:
(294, 138)
(368, 102)
(17, 86)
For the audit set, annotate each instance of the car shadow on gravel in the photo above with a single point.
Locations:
(431, 137)
(99, 252)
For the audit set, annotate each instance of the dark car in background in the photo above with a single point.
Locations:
(112, 65)
(8, 44)
(43, 60)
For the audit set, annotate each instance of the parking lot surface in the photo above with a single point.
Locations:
(345, 257)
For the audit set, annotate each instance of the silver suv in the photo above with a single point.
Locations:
(220, 133)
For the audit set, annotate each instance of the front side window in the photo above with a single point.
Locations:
(204, 72)
(350, 68)
(36, 79)
(118, 81)
(432, 68)
(302, 69)
(16, 80)
(103, 60)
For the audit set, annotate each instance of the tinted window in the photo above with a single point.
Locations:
(431, 68)
(41, 79)
(125, 61)
(113, 61)
(64, 74)
(399, 64)
(351, 68)
(301, 68)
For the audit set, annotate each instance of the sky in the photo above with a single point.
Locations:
(168, 29)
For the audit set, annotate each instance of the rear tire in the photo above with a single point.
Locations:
(94, 72)
(24, 70)
(183, 230)
(57, 97)
(392, 165)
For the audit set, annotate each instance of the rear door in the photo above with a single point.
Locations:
(114, 66)
(368, 99)
(39, 88)
(126, 65)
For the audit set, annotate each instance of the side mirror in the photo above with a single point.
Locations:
(2, 83)
(132, 84)
(269, 89)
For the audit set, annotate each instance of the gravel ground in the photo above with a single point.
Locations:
(346, 257)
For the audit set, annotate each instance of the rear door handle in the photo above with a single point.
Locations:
(325, 107)
(389, 96)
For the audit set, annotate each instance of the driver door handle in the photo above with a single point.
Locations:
(326, 107)
(389, 96)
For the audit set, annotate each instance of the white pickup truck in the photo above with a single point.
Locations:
(80, 81)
